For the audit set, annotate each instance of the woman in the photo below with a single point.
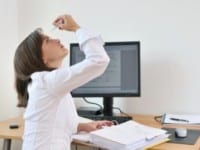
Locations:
(44, 87)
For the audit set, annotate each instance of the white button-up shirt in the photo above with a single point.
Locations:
(50, 117)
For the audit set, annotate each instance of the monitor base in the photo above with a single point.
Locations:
(89, 111)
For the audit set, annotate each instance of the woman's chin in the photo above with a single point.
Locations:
(65, 51)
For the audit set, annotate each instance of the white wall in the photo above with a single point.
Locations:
(8, 42)
(168, 31)
(169, 34)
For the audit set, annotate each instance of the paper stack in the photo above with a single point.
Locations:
(128, 136)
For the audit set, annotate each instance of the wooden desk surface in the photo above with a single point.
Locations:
(149, 120)
(7, 133)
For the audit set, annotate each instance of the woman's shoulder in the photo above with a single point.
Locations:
(45, 76)
(39, 75)
(37, 79)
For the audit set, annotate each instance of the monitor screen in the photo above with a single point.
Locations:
(122, 76)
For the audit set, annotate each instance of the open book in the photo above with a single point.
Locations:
(126, 136)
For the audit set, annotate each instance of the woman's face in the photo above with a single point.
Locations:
(52, 50)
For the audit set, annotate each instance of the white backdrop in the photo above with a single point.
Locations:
(8, 42)
(169, 34)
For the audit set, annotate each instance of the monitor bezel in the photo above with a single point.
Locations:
(130, 94)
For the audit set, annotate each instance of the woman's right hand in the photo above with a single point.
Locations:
(94, 125)
(66, 22)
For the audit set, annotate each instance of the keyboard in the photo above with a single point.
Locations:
(115, 119)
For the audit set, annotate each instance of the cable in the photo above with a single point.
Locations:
(101, 108)
(158, 118)
(121, 111)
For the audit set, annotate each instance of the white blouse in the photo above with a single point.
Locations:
(50, 117)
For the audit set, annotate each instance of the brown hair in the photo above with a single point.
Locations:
(27, 60)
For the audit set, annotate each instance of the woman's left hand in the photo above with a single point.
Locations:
(91, 126)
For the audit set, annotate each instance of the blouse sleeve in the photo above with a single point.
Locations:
(96, 60)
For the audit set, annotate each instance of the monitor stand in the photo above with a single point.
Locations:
(108, 106)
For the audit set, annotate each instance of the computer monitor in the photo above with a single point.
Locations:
(120, 79)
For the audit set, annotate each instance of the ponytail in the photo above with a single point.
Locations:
(22, 91)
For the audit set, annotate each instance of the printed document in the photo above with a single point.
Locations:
(127, 136)
(181, 119)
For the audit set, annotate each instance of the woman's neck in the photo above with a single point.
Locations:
(55, 64)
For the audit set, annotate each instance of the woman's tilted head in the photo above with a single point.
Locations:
(27, 60)
(28, 56)
(35, 53)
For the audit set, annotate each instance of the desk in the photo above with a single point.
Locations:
(9, 134)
